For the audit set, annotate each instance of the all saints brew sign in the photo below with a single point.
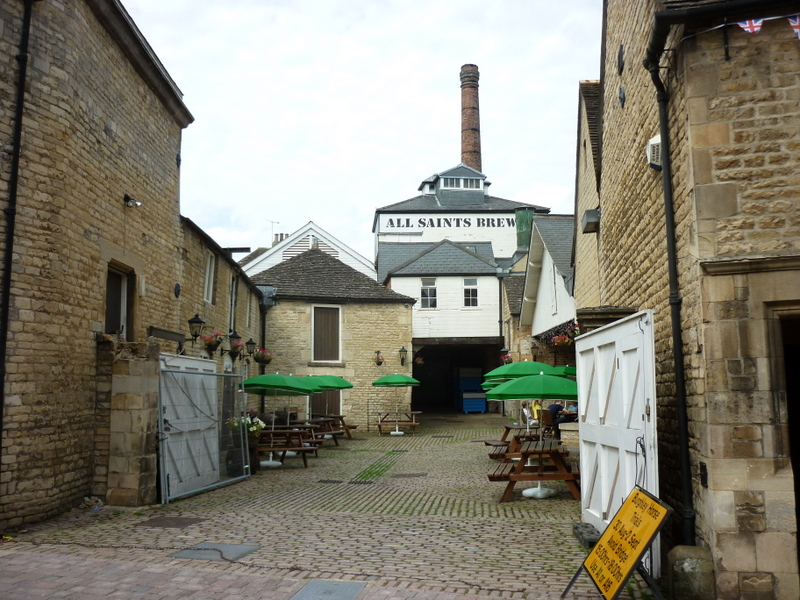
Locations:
(448, 223)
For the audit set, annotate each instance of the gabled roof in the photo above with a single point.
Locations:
(317, 276)
(442, 258)
(556, 232)
(301, 240)
(551, 234)
(460, 170)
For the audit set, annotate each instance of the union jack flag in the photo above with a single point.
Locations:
(752, 26)
(795, 23)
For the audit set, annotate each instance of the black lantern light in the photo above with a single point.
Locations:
(195, 327)
(403, 355)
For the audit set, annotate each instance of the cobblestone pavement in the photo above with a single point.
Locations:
(376, 518)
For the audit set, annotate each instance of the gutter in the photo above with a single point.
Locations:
(734, 10)
(13, 185)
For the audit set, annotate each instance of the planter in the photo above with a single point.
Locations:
(262, 360)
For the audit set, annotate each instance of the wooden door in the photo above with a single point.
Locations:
(616, 404)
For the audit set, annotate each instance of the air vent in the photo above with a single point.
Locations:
(590, 223)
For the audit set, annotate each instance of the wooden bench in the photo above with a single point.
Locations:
(281, 442)
(392, 421)
(539, 460)
(340, 424)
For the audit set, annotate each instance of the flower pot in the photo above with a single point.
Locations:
(379, 362)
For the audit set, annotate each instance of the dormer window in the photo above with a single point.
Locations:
(469, 183)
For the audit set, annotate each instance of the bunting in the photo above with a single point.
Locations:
(752, 26)
(795, 23)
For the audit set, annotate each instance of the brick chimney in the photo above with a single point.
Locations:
(470, 118)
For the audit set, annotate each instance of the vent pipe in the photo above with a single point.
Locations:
(470, 118)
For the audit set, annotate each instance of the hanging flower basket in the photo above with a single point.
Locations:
(378, 359)
(211, 342)
(419, 361)
(263, 357)
(507, 359)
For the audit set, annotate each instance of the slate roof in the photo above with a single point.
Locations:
(317, 276)
(514, 287)
(557, 232)
(457, 201)
(435, 258)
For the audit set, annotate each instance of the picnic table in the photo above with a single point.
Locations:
(325, 428)
(282, 440)
(539, 460)
(394, 420)
(339, 423)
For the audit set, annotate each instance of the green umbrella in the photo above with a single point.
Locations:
(551, 387)
(488, 385)
(275, 384)
(330, 382)
(564, 371)
(396, 380)
(519, 369)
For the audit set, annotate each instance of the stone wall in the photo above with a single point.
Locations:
(96, 127)
(365, 328)
(734, 134)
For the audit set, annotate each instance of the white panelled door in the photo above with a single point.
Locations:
(616, 402)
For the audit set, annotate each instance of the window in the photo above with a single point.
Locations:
(248, 320)
(451, 182)
(117, 292)
(472, 184)
(211, 265)
(232, 307)
(325, 326)
(428, 293)
(470, 292)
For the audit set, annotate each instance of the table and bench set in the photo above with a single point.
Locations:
(525, 455)
(302, 437)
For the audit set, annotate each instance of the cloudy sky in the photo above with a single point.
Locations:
(324, 110)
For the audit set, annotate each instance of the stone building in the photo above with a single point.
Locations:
(330, 319)
(701, 226)
(100, 273)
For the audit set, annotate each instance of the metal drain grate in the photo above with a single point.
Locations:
(170, 522)
(330, 481)
(360, 482)
(211, 551)
(332, 590)
(403, 475)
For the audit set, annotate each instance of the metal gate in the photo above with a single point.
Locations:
(198, 450)
(616, 402)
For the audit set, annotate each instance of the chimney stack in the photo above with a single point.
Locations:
(470, 118)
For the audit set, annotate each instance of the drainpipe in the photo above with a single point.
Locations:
(734, 10)
(675, 302)
(11, 210)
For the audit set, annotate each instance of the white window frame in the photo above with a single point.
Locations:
(470, 286)
(428, 283)
(232, 305)
(211, 264)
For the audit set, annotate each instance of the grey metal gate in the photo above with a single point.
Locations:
(198, 450)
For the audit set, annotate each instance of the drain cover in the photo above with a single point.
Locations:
(170, 522)
(333, 590)
(211, 551)
(401, 475)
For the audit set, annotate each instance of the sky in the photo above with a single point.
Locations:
(326, 110)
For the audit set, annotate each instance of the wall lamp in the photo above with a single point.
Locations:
(130, 202)
(403, 355)
(237, 348)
